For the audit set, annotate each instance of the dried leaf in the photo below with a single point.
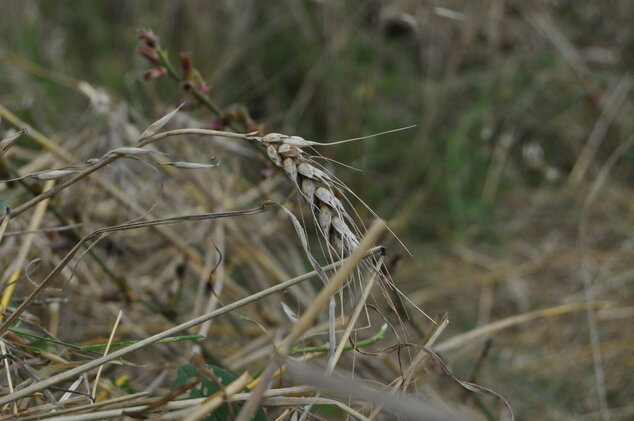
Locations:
(125, 150)
(158, 124)
(53, 174)
(301, 234)
(289, 313)
(9, 141)
(189, 165)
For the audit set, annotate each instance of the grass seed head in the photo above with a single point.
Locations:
(316, 187)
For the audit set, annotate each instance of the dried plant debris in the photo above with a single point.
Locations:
(46, 175)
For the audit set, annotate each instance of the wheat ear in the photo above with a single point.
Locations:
(317, 187)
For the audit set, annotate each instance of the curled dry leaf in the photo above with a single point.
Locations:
(9, 141)
(158, 124)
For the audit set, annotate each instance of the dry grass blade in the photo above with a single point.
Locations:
(422, 356)
(18, 263)
(466, 338)
(138, 404)
(41, 230)
(5, 221)
(45, 411)
(105, 352)
(3, 349)
(356, 313)
(402, 406)
(468, 385)
(297, 401)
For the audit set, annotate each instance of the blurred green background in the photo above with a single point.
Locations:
(517, 106)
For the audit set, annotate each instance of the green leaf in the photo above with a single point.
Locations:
(208, 387)
(184, 373)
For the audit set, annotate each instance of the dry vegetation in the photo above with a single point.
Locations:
(160, 270)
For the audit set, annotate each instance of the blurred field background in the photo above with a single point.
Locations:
(513, 192)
